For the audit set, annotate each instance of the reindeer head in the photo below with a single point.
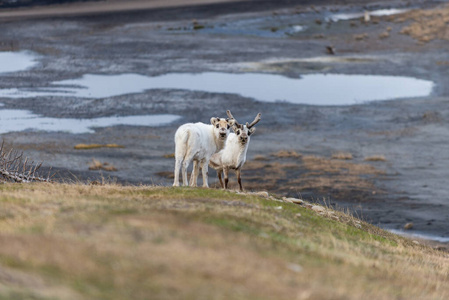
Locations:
(221, 127)
(243, 132)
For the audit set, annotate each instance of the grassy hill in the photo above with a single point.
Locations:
(61, 241)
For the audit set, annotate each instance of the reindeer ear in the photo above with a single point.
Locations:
(251, 130)
(214, 120)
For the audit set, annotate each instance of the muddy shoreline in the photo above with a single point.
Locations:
(407, 186)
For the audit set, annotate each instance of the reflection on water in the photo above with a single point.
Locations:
(356, 15)
(16, 61)
(314, 89)
(20, 120)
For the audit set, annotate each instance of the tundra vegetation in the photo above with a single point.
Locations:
(77, 241)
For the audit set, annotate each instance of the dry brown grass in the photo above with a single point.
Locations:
(169, 155)
(96, 146)
(377, 157)
(260, 157)
(309, 172)
(342, 177)
(323, 165)
(111, 242)
(426, 25)
(98, 165)
(166, 174)
(286, 154)
(342, 156)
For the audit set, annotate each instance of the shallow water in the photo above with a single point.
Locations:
(440, 239)
(314, 89)
(16, 61)
(20, 120)
(356, 15)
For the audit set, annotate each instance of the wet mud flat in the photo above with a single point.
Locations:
(386, 160)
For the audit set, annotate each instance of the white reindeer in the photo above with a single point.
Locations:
(233, 155)
(197, 142)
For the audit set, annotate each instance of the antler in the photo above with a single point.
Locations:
(228, 112)
(256, 120)
(14, 168)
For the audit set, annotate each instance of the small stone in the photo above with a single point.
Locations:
(318, 208)
(278, 207)
(275, 199)
(293, 200)
(262, 194)
(264, 235)
(295, 268)
(298, 215)
(408, 226)
(415, 242)
(358, 226)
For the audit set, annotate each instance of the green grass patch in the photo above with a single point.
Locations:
(114, 242)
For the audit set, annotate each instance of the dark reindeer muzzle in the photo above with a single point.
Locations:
(223, 133)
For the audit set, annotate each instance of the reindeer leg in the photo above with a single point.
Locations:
(185, 165)
(178, 164)
(239, 179)
(220, 178)
(194, 175)
(226, 179)
(205, 169)
(187, 160)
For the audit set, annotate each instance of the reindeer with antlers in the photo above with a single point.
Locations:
(233, 155)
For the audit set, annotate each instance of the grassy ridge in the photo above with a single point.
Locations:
(111, 242)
